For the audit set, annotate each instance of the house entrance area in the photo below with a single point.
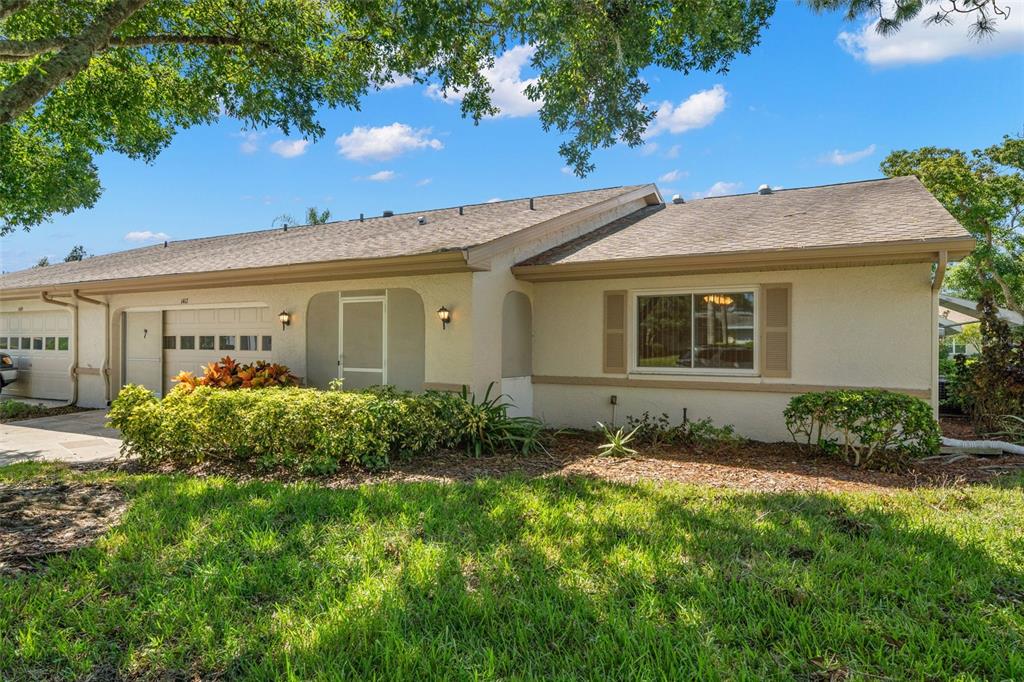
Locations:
(366, 338)
(362, 354)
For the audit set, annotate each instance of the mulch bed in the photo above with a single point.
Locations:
(40, 520)
(47, 412)
(756, 467)
(957, 427)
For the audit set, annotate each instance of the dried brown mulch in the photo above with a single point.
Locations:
(47, 412)
(958, 427)
(52, 517)
(757, 467)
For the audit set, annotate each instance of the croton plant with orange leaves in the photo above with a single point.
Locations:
(229, 374)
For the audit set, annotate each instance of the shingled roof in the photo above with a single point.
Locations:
(373, 238)
(852, 214)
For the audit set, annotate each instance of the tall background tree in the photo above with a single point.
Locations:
(984, 190)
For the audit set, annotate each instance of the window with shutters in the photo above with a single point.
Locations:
(695, 331)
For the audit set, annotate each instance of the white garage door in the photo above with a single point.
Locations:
(40, 344)
(193, 338)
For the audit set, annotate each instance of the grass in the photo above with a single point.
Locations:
(526, 578)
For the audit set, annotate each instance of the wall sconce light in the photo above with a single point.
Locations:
(285, 318)
(445, 316)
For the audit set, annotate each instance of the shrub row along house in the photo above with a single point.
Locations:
(584, 306)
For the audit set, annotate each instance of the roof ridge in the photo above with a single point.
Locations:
(822, 186)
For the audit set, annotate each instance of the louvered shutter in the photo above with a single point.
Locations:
(777, 324)
(614, 361)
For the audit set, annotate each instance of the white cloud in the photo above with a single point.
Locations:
(567, 171)
(384, 142)
(146, 236)
(841, 158)
(673, 152)
(289, 148)
(696, 111)
(648, 149)
(505, 77)
(719, 189)
(917, 42)
(382, 176)
(493, 200)
(250, 142)
(672, 176)
(396, 82)
(424, 182)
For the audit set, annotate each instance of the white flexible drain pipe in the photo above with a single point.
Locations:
(984, 444)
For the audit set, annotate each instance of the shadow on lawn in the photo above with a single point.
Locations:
(525, 578)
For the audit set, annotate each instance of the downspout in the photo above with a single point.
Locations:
(105, 365)
(937, 279)
(73, 368)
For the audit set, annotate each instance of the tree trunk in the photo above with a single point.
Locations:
(74, 57)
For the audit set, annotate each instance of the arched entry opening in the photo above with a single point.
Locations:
(517, 352)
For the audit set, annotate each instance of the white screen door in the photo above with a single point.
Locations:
(362, 359)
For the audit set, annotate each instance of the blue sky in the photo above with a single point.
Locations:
(819, 101)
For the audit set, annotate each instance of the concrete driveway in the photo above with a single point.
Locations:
(80, 437)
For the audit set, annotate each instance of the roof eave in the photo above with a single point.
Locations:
(911, 251)
(443, 262)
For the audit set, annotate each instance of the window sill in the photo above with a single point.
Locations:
(706, 373)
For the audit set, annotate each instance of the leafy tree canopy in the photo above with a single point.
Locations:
(893, 14)
(984, 190)
(80, 77)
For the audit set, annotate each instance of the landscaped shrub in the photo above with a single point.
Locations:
(994, 386)
(658, 431)
(229, 374)
(310, 430)
(870, 428)
(15, 409)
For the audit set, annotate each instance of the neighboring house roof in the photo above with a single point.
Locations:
(889, 211)
(444, 230)
(969, 309)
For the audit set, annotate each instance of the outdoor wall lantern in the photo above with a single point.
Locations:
(285, 318)
(445, 316)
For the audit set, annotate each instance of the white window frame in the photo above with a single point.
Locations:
(634, 347)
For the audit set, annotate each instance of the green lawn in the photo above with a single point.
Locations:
(528, 578)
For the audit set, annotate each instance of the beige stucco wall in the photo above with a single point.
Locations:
(864, 326)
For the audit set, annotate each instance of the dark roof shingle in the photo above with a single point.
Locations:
(856, 213)
(378, 237)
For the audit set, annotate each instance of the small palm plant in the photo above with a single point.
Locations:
(617, 442)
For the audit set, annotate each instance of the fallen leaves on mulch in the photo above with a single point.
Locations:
(46, 412)
(756, 467)
(958, 427)
(39, 520)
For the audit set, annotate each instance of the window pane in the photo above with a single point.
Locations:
(248, 343)
(227, 343)
(62, 343)
(170, 342)
(724, 335)
(188, 343)
(664, 331)
(37, 343)
(26, 343)
(3, 343)
(50, 343)
(205, 343)
(267, 343)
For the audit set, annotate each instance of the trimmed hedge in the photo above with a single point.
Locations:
(870, 428)
(310, 430)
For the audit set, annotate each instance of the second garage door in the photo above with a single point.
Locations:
(192, 338)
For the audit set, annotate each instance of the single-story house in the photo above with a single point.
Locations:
(583, 306)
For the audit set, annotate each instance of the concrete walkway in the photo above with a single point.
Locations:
(78, 438)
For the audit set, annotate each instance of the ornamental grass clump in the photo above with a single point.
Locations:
(311, 431)
(870, 428)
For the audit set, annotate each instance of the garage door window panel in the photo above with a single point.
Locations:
(206, 343)
(227, 343)
(62, 343)
(50, 343)
(188, 343)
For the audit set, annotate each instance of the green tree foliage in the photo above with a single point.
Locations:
(892, 15)
(994, 384)
(76, 253)
(315, 217)
(82, 77)
(984, 190)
